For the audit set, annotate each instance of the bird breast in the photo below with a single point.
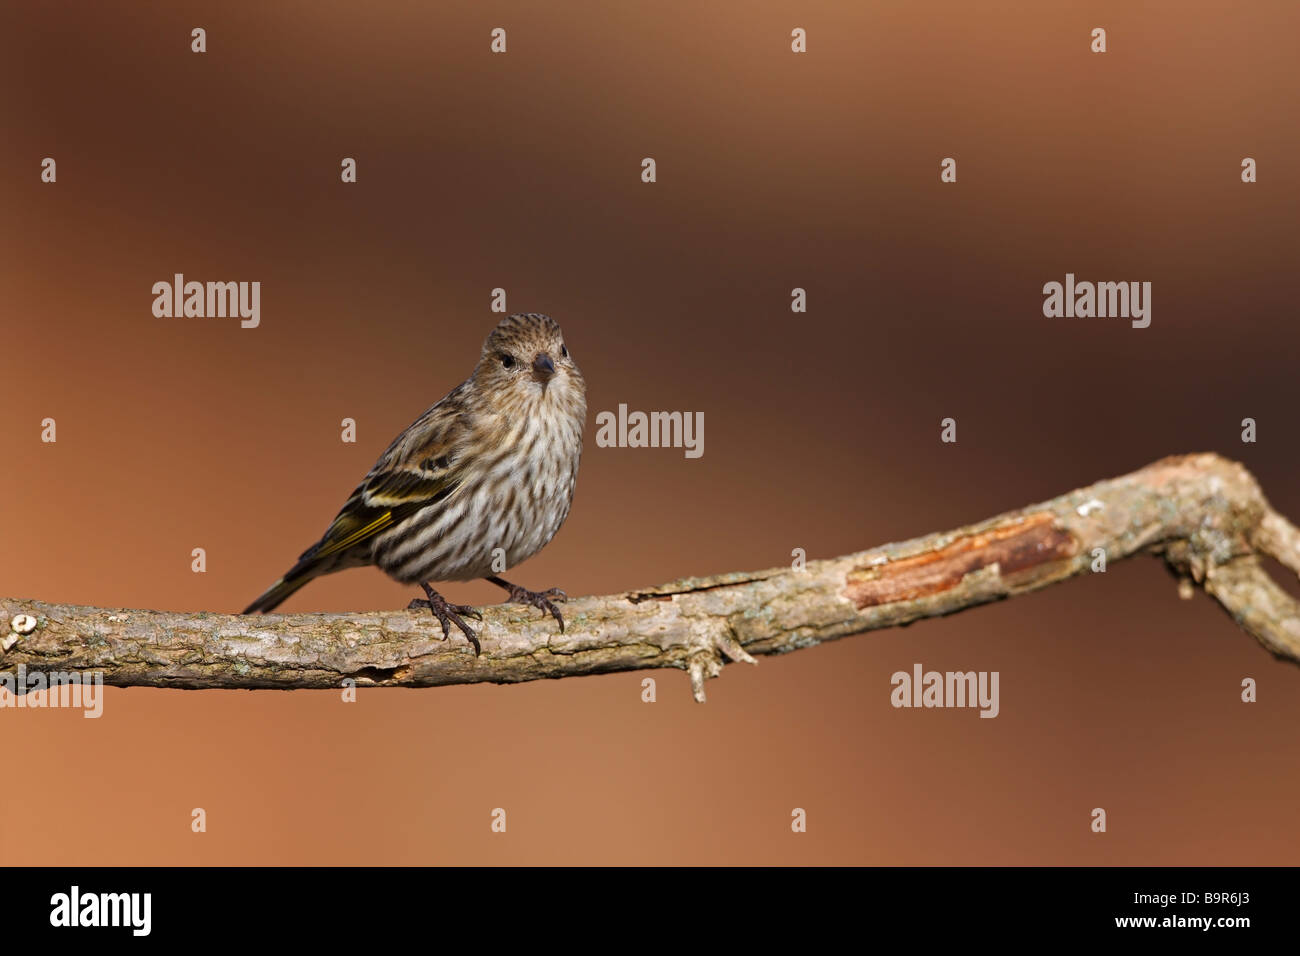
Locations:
(511, 501)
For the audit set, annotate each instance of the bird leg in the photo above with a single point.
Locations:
(538, 599)
(448, 614)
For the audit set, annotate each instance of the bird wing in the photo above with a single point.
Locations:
(419, 469)
(379, 503)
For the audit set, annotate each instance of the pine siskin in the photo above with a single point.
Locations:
(492, 465)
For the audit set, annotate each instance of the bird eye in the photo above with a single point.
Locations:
(564, 351)
(507, 361)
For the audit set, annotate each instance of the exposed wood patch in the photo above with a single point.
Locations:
(1033, 540)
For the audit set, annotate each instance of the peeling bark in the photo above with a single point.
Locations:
(1205, 515)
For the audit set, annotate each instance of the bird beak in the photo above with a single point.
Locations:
(543, 367)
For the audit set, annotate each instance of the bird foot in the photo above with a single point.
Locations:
(540, 600)
(448, 614)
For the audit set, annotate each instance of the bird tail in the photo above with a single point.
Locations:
(305, 570)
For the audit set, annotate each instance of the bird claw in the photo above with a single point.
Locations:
(449, 614)
(540, 600)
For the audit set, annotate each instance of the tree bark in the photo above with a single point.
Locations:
(1205, 515)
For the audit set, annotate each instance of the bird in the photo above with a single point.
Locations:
(479, 483)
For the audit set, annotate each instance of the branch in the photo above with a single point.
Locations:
(1205, 515)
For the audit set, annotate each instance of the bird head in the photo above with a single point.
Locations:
(526, 363)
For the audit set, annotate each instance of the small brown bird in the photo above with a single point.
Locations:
(481, 480)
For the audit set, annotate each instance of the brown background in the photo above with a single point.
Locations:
(822, 431)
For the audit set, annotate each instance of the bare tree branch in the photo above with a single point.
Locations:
(1204, 514)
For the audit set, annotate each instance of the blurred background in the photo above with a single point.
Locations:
(775, 171)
